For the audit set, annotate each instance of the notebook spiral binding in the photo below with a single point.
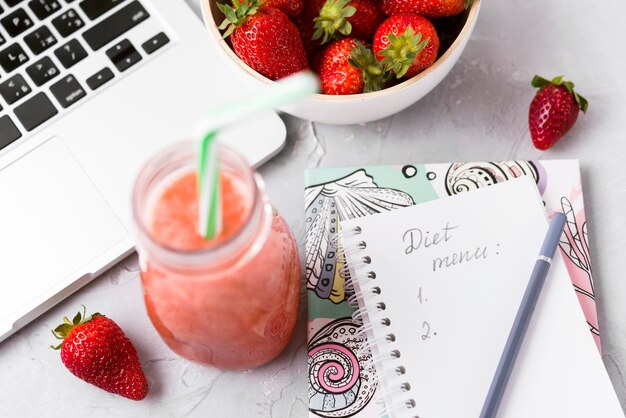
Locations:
(370, 294)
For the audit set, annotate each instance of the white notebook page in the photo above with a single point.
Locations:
(452, 273)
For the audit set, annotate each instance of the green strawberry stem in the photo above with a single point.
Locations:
(374, 74)
(333, 20)
(400, 54)
(468, 3)
(540, 82)
(237, 14)
(64, 329)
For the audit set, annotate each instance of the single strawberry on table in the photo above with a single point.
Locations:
(264, 38)
(349, 67)
(96, 350)
(291, 8)
(406, 44)
(340, 18)
(553, 111)
(431, 9)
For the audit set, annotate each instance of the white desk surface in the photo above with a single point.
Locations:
(479, 112)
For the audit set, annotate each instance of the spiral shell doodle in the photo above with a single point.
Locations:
(463, 177)
(326, 205)
(340, 383)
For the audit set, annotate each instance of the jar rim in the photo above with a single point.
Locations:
(185, 150)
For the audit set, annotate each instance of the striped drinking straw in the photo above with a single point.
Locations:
(288, 90)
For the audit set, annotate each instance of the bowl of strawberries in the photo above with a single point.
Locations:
(374, 58)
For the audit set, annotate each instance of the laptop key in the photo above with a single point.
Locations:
(155, 43)
(67, 91)
(96, 8)
(12, 57)
(116, 24)
(8, 131)
(14, 89)
(99, 78)
(44, 8)
(2, 40)
(68, 22)
(124, 55)
(12, 3)
(71, 53)
(16, 22)
(35, 111)
(40, 39)
(42, 71)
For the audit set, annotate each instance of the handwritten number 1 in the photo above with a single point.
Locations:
(419, 295)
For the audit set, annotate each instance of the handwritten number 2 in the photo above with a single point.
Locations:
(426, 335)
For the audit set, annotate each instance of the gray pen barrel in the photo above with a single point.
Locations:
(516, 337)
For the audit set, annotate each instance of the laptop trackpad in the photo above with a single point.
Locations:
(53, 221)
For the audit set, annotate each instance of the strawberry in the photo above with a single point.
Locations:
(291, 8)
(96, 350)
(264, 38)
(307, 26)
(553, 111)
(431, 9)
(406, 44)
(357, 18)
(348, 67)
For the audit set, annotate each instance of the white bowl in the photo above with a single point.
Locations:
(356, 108)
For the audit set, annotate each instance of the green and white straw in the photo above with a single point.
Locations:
(209, 195)
(288, 90)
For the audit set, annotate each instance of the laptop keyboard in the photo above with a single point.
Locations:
(44, 42)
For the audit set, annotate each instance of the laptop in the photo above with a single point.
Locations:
(89, 89)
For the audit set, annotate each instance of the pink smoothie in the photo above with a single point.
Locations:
(237, 312)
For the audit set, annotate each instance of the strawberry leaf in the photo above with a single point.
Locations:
(468, 3)
(224, 24)
(539, 82)
(402, 50)
(230, 15)
(63, 330)
(237, 14)
(583, 104)
(244, 7)
(569, 86)
(557, 81)
(229, 31)
(348, 11)
(347, 28)
(374, 74)
(333, 20)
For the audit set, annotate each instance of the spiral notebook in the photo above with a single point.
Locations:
(438, 286)
(342, 380)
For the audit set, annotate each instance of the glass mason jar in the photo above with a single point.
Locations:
(232, 303)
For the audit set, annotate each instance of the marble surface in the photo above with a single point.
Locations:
(479, 112)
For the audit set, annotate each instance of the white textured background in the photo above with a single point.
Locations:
(479, 112)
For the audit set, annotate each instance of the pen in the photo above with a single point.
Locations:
(522, 319)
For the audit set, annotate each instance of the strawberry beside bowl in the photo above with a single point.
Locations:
(365, 107)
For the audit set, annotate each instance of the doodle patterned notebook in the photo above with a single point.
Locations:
(341, 382)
